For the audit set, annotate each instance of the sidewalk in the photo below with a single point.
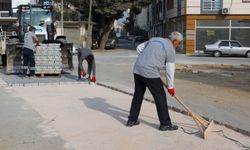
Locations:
(93, 117)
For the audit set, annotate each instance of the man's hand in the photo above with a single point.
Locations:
(93, 79)
(83, 73)
(171, 91)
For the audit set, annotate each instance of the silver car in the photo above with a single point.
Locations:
(227, 47)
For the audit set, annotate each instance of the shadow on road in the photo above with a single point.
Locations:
(101, 105)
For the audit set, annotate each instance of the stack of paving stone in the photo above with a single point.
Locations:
(48, 59)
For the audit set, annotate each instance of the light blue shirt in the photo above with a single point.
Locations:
(156, 54)
(28, 40)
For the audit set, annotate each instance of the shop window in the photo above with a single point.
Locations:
(240, 23)
(242, 35)
(209, 36)
(212, 23)
(209, 31)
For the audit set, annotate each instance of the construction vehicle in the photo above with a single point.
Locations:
(40, 16)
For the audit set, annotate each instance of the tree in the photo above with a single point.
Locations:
(135, 10)
(105, 12)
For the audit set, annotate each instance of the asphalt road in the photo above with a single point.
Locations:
(220, 94)
(212, 93)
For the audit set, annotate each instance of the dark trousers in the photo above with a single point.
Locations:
(28, 61)
(80, 66)
(155, 87)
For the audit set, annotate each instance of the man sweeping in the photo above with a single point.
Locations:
(86, 54)
(154, 55)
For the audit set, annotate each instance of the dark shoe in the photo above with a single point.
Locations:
(25, 76)
(132, 123)
(32, 77)
(168, 127)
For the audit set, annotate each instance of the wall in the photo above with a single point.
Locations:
(237, 6)
(193, 6)
(73, 35)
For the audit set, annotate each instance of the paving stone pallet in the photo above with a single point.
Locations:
(48, 58)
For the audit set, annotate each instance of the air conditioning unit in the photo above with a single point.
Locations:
(225, 11)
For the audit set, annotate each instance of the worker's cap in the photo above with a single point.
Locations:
(176, 36)
(32, 28)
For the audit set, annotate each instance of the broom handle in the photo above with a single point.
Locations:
(194, 115)
(185, 106)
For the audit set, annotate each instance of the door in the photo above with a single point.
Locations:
(224, 47)
(236, 48)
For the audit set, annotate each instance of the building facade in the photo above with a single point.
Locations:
(206, 21)
(156, 16)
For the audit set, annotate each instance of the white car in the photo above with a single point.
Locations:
(227, 47)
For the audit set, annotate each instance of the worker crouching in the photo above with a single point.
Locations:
(86, 54)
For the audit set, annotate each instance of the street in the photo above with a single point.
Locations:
(221, 93)
(195, 52)
(63, 113)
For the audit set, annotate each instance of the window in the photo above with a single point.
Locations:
(210, 35)
(224, 43)
(240, 23)
(212, 23)
(170, 4)
(242, 35)
(5, 6)
(211, 5)
(235, 44)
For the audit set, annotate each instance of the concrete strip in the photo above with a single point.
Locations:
(22, 128)
(94, 117)
(2, 82)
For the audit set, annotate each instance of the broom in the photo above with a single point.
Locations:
(203, 125)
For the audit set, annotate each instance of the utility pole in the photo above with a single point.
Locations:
(89, 35)
(62, 30)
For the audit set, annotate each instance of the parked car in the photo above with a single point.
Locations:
(95, 42)
(110, 43)
(227, 47)
(141, 39)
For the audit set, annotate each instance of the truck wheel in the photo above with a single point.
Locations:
(217, 54)
(248, 54)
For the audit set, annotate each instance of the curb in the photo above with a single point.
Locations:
(242, 131)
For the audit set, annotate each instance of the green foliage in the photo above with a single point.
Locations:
(67, 15)
(104, 12)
